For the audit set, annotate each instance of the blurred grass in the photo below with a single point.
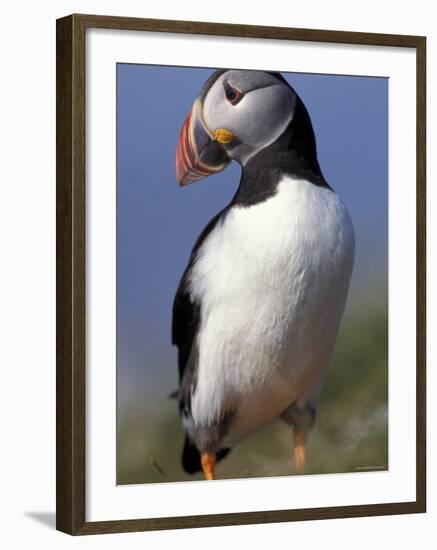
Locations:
(351, 431)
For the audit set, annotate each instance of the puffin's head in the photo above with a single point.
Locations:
(236, 114)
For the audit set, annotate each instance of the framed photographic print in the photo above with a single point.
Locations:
(240, 274)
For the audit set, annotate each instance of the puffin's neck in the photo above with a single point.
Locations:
(293, 154)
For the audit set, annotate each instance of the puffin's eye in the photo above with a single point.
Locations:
(232, 94)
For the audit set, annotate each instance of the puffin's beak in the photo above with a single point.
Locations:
(199, 154)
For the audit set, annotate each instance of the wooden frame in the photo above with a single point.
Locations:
(70, 211)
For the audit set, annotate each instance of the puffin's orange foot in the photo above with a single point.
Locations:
(300, 450)
(208, 461)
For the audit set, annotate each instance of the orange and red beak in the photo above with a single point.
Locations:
(198, 154)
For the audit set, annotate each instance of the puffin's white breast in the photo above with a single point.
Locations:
(272, 280)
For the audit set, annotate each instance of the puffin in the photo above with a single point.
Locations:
(258, 308)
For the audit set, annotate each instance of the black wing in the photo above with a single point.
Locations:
(186, 321)
(186, 318)
(186, 310)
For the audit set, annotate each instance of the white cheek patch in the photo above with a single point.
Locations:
(257, 120)
(216, 107)
(265, 114)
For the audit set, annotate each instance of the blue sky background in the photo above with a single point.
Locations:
(158, 222)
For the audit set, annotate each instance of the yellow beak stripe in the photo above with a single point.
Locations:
(223, 136)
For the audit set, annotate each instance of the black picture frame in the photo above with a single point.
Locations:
(71, 253)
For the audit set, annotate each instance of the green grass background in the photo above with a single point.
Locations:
(351, 432)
